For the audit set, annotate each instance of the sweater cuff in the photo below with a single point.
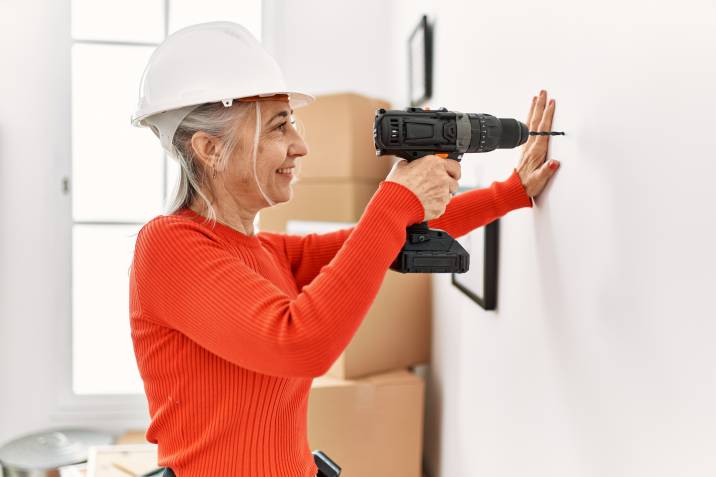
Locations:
(402, 202)
(512, 194)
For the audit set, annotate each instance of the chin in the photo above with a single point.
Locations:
(284, 195)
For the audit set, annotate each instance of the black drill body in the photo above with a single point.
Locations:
(414, 133)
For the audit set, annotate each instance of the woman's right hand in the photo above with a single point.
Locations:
(431, 178)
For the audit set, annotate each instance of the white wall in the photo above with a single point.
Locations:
(34, 146)
(600, 359)
(326, 47)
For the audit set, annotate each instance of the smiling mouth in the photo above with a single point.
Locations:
(286, 171)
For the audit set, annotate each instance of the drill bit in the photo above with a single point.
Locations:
(547, 133)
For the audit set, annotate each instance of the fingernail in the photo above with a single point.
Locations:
(551, 102)
(553, 165)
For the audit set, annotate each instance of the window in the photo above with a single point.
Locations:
(120, 176)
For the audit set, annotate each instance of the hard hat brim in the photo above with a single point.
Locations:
(296, 100)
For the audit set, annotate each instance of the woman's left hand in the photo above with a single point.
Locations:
(534, 169)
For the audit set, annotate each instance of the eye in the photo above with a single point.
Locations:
(282, 126)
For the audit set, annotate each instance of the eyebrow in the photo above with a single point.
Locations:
(281, 114)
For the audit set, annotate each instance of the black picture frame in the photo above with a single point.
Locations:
(487, 268)
(420, 63)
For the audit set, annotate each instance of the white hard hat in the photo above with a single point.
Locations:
(205, 63)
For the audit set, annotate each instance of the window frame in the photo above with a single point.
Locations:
(110, 411)
(116, 411)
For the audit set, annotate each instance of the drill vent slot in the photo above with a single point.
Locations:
(394, 131)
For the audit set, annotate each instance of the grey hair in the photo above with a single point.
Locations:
(219, 121)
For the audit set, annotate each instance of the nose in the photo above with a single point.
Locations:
(298, 147)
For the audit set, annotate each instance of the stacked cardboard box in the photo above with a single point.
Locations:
(370, 427)
(367, 412)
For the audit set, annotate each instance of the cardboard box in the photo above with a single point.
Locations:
(396, 332)
(133, 437)
(338, 129)
(369, 427)
(122, 460)
(342, 201)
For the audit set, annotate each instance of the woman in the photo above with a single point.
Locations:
(230, 327)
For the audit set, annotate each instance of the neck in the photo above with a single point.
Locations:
(238, 219)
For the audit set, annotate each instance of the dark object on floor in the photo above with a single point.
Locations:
(161, 472)
(326, 467)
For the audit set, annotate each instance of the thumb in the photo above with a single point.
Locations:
(399, 164)
(549, 168)
(544, 173)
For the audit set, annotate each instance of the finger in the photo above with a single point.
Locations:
(546, 171)
(546, 124)
(539, 109)
(532, 110)
(399, 164)
(454, 186)
(530, 139)
(453, 168)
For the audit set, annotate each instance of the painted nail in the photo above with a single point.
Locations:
(552, 165)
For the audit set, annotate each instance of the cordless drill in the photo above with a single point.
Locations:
(414, 133)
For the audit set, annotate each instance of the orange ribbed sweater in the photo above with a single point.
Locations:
(229, 330)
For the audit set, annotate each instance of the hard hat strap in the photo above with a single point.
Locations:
(254, 152)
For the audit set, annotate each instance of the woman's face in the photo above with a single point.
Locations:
(279, 147)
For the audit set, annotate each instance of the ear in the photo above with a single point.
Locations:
(206, 148)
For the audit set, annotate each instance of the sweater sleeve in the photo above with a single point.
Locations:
(187, 280)
(309, 253)
(475, 208)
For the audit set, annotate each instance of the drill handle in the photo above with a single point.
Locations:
(417, 233)
(419, 228)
